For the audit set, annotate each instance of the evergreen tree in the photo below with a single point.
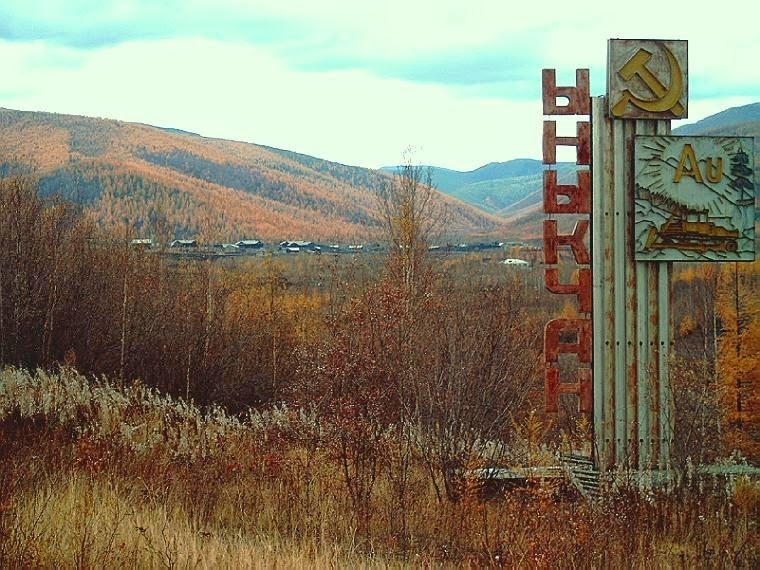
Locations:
(742, 173)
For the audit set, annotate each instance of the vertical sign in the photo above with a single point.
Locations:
(647, 86)
(567, 336)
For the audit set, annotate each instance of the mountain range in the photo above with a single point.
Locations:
(741, 121)
(164, 179)
(498, 187)
(181, 184)
(514, 190)
(502, 187)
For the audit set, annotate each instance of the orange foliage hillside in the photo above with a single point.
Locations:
(151, 178)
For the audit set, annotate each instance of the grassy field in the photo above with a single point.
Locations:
(94, 475)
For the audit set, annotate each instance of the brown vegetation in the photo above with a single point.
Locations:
(720, 338)
(99, 476)
(317, 410)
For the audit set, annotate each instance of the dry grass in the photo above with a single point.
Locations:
(96, 476)
(91, 522)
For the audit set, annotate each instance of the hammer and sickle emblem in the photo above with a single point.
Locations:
(667, 98)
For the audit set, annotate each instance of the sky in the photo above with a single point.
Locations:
(360, 82)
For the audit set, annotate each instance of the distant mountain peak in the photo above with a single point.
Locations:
(176, 131)
(725, 119)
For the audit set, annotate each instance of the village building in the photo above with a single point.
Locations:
(515, 262)
(183, 243)
(298, 246)
(141, 243)
(249, 244)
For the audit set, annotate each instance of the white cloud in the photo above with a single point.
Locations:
(384, 75)
(240, 92)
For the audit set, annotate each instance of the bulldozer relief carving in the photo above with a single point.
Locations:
(690, 230)
(694, 198)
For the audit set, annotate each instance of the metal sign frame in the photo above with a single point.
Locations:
(694, 198)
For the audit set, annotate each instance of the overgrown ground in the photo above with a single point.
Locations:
(344, 402)
(94, 475)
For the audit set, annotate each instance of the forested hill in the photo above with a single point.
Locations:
(154, 178)
(736, 121)
(498, 187)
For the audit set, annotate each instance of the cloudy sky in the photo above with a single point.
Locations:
(358, 81)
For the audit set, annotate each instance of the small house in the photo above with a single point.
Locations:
(249, 244)
(515, 262)
(140, 243)
(297, 246)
